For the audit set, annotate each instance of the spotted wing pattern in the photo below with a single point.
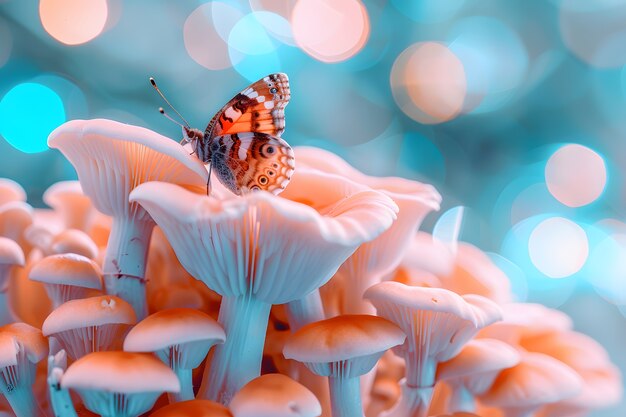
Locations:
(258, 108)
(251, 161)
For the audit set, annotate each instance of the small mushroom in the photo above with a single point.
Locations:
(15, 218)
(438, 323)
(181, 338)
(11, 191)
(67, 277)
(111, 159)
(343, 348)
(116, 384)
(21, 348)
(74, 207)
(73, 241)
(537, 380)
(90, 324)
(473, 370)
(11, 255)
(274, 395)
(193, 408)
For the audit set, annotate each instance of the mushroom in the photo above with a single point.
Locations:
(67, 277)
(11, 255)
(602, 384)
(377, 258)
(255, 251)
(60, 399)
(537, 380)
(90, 324)
(473, 370)
(15, 217)
(21, 348)
(67, 199)
(193, 408)
(343, 348)
(11, 191)
(274, 395)
(111, 159)
(73, 241)
(115, 384)
(438, 323)
(181, 338)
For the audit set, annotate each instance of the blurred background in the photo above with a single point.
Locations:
(515, 111)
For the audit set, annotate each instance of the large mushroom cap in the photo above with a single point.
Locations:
(274, 395)
(11, 191)
(193, 408)
(112, 158)
(246, 234)
(68, 269)
(93, 311)
(121, 372)
(170, 327)
(341, 338)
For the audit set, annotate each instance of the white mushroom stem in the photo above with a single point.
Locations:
(345, 396)
(17, 385)
(461, 399)
(238, 360)
(124, 264)
(59, 397)
(414, 402)
(186, 386)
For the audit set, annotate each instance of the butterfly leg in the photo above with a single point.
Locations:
(208, 181)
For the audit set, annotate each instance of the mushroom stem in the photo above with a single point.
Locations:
(238, 360)
(61, 401)
(186, 386)
(461, 399)
(22, 401)
(414, 402)
(345, 396)
(125, 261)
(305, 310)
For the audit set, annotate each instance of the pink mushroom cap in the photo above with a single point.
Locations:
(67, 269)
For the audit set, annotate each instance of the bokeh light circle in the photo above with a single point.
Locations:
(558, 247)
(28, 113)
(495, 61)
(249, 37)
(330, 30)
(205, 33)
(594, 31)
(428, 83)
(73, 22)
(575, 175)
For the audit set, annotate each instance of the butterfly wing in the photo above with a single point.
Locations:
(258, 108)
(251, 161)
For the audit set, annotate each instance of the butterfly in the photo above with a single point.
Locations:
(242, 141)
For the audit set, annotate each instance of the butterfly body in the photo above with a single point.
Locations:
(242, 141)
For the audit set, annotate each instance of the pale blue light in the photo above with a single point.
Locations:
(428, 11)
(255, 67)
(28, 113)
(250, 37)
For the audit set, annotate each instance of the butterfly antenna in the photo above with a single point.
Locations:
(162, 111)
(154, 84)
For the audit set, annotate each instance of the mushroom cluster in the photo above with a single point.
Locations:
(149, 297)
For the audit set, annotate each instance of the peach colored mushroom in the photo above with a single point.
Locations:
(73, 206)
(255, 251)
(473, 370)
(377, 258)
(115, 384)
(15, 218)
(275, 395)
(537, 380)
(602, 382)
(521, 320)
(193, 408)
(21, 348)
(11, 255)
(11, 191)
(73, 241)
(67, 277)
(181, 338)
(111, 159)
(90, 324)
(343, 348)
(438, 323)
